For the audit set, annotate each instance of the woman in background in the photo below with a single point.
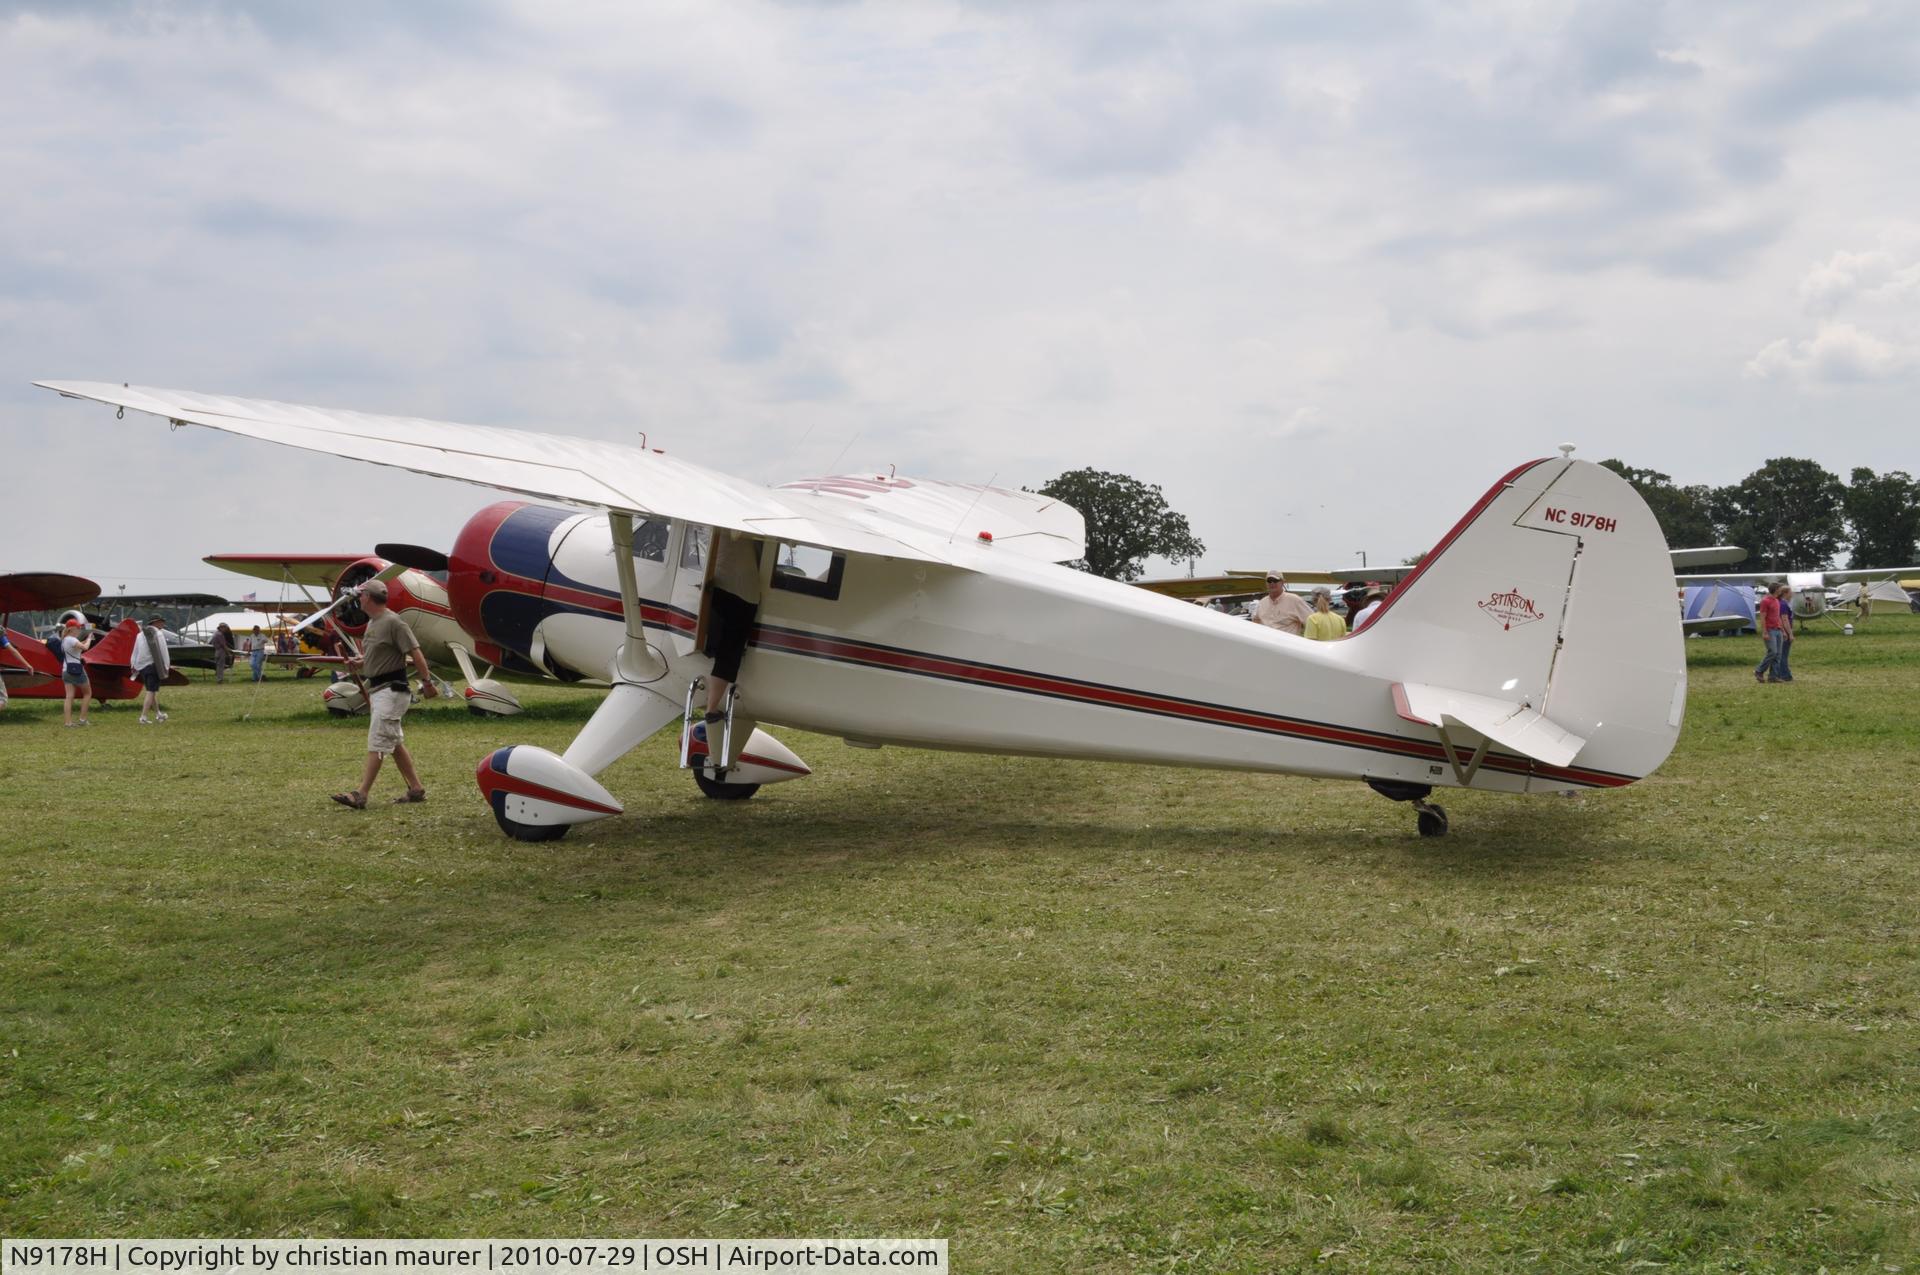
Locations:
(73, 671)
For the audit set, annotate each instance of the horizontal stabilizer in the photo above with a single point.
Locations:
(1505, 722)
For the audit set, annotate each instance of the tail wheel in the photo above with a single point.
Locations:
(723, 792)
(530, 831)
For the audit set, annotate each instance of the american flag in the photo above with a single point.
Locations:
(251, 597)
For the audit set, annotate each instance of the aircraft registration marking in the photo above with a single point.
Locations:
(1575, 518)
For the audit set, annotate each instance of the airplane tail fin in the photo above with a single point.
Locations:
(116, 648)
(1548, 613)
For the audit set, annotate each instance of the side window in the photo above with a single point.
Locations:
(650, 539)
(806, 569)
(693, 550)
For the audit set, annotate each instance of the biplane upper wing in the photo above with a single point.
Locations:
(576, 471)
(314, 570)
(44, 591)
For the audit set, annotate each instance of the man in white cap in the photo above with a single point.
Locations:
(1280, 609)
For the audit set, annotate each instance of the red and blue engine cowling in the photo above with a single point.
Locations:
(498, 582)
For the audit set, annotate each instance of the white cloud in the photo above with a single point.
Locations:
(1838, 353)
(1845, 275)
(965, 238)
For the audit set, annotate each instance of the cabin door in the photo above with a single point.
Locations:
(688, 598)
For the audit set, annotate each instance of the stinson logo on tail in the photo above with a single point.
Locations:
(1511, 608)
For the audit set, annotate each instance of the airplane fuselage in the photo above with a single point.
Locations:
(1029, 658)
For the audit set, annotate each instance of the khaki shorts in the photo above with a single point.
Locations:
(385, 713)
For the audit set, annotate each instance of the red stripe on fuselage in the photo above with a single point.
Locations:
(819, 646)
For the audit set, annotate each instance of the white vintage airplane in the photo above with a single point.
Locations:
(1533, 651)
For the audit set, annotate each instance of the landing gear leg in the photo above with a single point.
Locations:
(1430, 819)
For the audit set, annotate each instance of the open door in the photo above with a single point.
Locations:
(689, 594)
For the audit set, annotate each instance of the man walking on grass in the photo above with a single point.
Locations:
(151, 662)
(384, 653)
(1773, 635)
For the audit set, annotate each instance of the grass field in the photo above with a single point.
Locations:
(1074, 1017)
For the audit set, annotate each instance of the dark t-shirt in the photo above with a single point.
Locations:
(386, 646)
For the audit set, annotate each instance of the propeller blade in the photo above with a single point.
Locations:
(348, 595)
(324, 612)
(419, 557)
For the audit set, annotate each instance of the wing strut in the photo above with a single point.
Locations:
(636, 661)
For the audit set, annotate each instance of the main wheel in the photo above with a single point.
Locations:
(723, 792)
(1433, 821)
(530, 831)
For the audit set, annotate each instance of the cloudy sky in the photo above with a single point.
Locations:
(1322, 271)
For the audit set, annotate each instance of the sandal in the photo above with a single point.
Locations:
(351, 800)
(413, 795)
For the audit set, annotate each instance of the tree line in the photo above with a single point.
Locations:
(1790, 514)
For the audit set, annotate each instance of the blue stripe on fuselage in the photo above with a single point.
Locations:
(523, 542)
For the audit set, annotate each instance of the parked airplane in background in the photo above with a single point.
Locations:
(22, 591)
(1889, 592)
(418, 598)
(1533, 650)
(33, 672)
(1244, 586)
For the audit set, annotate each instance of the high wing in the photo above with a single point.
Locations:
(1205, 587)
(1247, 584)
(1023, 522)
(314, 570)
(1829, 579)
(1734, 577)
(574, 471)
(1707, 556)
(1236, 584)
(1868, 573)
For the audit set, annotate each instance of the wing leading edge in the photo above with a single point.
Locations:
(556, 467)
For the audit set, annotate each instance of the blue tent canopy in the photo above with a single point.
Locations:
(1708, 602)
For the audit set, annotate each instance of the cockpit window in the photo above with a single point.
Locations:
(693, 551)
(809, 570)
(650, 539)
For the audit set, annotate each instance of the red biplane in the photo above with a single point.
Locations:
(31, 671)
